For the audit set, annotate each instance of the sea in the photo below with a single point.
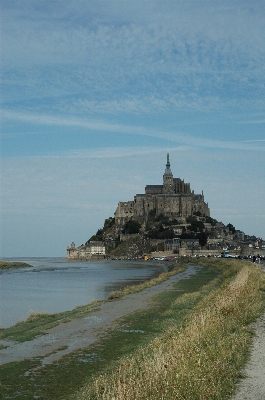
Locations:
(55, 284)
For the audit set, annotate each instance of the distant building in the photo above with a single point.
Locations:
(179, 246)
(93, 249)
(173, 245)
(174, 199)
(240, 235)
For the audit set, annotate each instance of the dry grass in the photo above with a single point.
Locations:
(202, 359)
(34, 315)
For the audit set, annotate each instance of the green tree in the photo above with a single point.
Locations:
(187, 235)
(198, 213)
(190, 219)
(211, 221)
(202, 236)
(152, 214)
(109, 222)
(132, 227)
(98, 237)
(231, 228)
(161, 233)
(163, 219)
(196, 226)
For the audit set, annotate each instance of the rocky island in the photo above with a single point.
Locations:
(168, 219)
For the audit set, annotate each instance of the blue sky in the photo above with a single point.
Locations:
(95, 93)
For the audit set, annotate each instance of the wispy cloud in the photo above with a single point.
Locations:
(115, 58)
(174, 137)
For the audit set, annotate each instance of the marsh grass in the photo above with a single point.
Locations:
(202, 358)
(38, 322)
(35, 315)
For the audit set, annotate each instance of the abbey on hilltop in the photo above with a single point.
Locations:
(172, 202)
(168, 219)
(173, 199)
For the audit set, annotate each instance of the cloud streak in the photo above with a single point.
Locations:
(92, 126)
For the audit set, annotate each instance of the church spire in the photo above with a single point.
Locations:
(168, 170)
(168, 187)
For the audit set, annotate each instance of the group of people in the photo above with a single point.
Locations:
(256, 258)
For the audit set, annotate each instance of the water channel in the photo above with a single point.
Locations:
(55, 284)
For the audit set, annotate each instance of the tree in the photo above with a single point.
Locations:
(198, 213)
(231, 228)
(109, 222)
(161, 233)
(211, 221)
(202, 236)
(187, 235)
(132, 227)
(152, 214)
(190, 219)
(196, 226)
(98, 237)
(163, 219)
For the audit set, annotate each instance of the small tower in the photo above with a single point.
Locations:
(168, 179)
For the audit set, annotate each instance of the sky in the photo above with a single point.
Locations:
(94, 94)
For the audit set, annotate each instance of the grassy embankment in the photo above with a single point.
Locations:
(202, 358)
(189, 344)
(13, 264)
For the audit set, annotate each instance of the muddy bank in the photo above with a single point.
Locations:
(80, 333)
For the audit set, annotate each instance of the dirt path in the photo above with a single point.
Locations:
(252, 387)
(80, 333)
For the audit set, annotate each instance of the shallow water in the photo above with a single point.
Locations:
(54, 284)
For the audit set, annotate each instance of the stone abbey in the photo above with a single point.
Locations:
(174, 199)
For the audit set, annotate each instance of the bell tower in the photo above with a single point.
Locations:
(168, 187)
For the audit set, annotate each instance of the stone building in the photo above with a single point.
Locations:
(93, 249)
(174, 199)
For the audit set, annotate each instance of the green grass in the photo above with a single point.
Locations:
(37, 323)
(138, 329)
(13, 264)
(199, 358)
